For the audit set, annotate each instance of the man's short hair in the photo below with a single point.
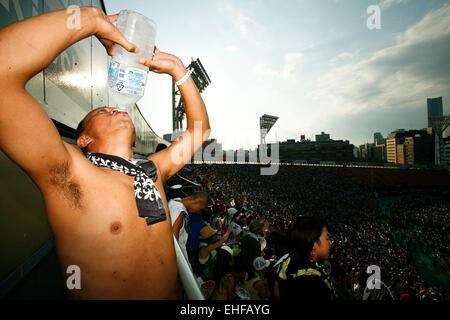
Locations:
(203, 195)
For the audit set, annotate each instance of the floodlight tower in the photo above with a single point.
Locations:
(439, 124)
(201, 80)
(266, 123)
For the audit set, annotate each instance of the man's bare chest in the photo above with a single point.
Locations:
(93, 193)
(119, 192)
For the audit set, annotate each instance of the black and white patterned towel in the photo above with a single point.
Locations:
(148, 199)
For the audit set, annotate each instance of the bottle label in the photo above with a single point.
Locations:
(128, 80)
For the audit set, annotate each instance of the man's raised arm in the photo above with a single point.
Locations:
(172, 159)
(27, 135)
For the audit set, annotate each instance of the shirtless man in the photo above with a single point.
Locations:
(92, 210)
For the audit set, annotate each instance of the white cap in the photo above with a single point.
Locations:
(227, 249)
(259, 263)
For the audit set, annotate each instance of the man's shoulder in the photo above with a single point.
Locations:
(176, 206)
(159, 159)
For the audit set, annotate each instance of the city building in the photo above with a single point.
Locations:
(434, 108)
(445, 151)
(400, 153)
(378, 139)
(379, 153)
(323, 137)
(410, 147)
(323, 149)
(361, 152)
(440, 126)
(356, 153)
(391, 146)
(371, 152)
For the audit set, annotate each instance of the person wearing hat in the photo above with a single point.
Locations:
(235, 235)
(251, 243)
(207, 251)
(256, 284)
(223, 275)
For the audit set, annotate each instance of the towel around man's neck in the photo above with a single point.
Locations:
(148, 199)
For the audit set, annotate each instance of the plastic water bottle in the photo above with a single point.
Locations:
(126, 76)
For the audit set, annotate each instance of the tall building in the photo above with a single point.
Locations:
(378, 139)
(379, 153)
(401, 153)
(411, 147)
(434, 108)
(391, 146)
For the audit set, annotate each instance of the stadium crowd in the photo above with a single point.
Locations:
(246, 204)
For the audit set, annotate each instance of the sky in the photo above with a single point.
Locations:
(315, 64)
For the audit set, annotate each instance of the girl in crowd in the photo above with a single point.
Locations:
(300, 275)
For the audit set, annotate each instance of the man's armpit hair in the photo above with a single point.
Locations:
(62, 181)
